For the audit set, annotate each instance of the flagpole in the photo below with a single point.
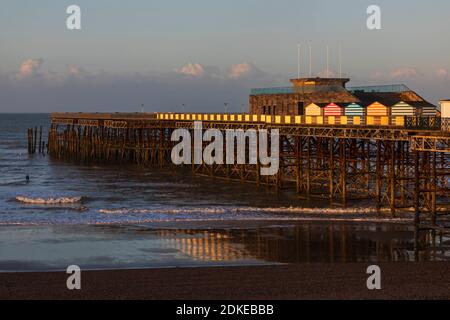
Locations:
(310, 60)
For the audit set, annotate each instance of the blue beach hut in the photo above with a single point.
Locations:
(354, 109)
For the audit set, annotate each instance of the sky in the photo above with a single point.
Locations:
(173, 55)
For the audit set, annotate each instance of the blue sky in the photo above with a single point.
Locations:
(142, 46)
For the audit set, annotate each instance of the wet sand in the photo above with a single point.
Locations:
(425, 280)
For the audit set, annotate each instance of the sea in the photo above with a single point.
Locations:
(127, 216)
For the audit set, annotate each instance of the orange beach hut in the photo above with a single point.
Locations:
(377, 109)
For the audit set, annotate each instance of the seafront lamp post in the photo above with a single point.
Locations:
(226, 106)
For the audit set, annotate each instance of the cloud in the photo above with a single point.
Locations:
(442, 73)
(70, 90)
(197, 70)
(75, 71)
(244, 70)
(29, 68)
(240, 69)
(78, 89)
(237, 71)
(192, 69)
(406, 72)
(32, 69)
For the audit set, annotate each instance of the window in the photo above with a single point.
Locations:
(300, 108)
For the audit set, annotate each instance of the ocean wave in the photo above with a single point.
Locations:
(237, 210)
(364, 219)
(48, 200)
(219, 221)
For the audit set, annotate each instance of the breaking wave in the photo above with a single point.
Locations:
(237, 210)
(48, 200)
(202, 214)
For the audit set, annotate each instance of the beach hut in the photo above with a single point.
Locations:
(313, 109)
(332, 109)
(445, 108)
(424, 109)
(354, 109)
(402, 109)
(377, 109)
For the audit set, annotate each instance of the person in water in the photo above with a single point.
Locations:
(27, 178)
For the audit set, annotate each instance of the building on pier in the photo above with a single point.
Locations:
(445, 108)
(321, 96)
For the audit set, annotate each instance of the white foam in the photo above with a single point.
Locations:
(237, 210)
(49, 200)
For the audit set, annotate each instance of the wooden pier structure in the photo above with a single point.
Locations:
(33, 142)
(399, 163)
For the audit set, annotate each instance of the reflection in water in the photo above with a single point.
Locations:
(205, 245)
(307, 243)
(27, 248)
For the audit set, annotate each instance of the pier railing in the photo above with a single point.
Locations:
(413, 123)
(445, 124)
(122, 120)
(423, 123)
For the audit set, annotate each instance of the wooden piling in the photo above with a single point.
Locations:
(30, 141)
(40, 140)
(416, 204)
(35, 139)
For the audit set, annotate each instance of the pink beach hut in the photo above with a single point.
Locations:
(333, 110)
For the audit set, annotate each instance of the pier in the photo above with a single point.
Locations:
(400, 165)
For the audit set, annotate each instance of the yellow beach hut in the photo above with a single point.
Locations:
(313, 109)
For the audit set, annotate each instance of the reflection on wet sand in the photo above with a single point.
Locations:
(26, 248)
(306, 243)
(204, 245)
